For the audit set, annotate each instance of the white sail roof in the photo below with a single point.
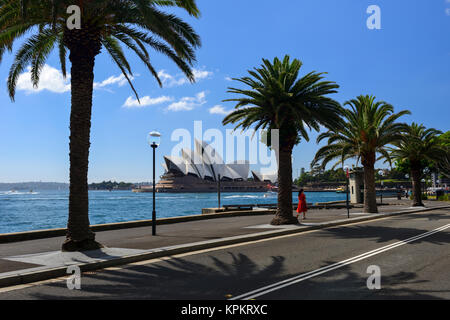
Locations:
(229, 173)
(211, 159)
(193, 159)
(191, 169)
(271, 176)
(206, 163)
(175, 163)
(241, 167)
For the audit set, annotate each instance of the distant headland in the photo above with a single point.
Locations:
(34, 186)
(105, 185)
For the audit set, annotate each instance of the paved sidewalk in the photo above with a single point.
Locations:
(27, 261)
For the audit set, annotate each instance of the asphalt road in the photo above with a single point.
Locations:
(411, 251)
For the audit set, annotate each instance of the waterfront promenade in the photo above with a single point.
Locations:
(28, 261)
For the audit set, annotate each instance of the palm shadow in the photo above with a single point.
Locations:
(214, 279)
(430, 216)
(383, 234)
(179, 279)
(347, 284)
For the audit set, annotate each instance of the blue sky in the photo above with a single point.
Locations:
(406, 63)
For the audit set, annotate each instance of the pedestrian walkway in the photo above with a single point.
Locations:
(27, 261)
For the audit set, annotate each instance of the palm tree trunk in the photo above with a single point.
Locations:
(79, 235)
(417, 188)
(284, 214)
(370, 196)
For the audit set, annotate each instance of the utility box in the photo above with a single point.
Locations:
(356, 185)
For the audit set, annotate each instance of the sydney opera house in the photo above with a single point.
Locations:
(199, 170)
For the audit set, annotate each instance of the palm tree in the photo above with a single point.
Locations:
(369, 127)
(417, 146)
(138, 24)
(279, 100)
(444, 164)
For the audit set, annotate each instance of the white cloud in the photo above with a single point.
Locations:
(201, 74)
(145, 101)
(219, 110)
(174, 81)
(169, 80)
(120, 80)
(51, 79)
(188, 103)
(228, 79)
(447, 11)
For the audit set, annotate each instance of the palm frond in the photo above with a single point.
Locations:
(276, 97)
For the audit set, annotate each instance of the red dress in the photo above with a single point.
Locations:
(302, 204)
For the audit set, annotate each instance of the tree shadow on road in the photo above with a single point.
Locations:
(350, 283)
(172, 279)
(383, 234)
(431, 216)
(214, 278)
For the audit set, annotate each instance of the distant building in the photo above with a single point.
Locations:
(444, 182)
(199, 170)
(317, 170)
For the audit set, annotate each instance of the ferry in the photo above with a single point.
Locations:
(341, 190)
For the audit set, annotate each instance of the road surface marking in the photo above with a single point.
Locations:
(304, 276)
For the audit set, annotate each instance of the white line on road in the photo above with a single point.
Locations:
(304, 276)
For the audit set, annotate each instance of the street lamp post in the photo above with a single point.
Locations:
(218, 191)
(423, 188)
(154, 140)
(382, 185)
(347, 174)
(407, 191)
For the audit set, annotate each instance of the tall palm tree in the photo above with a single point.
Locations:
(278, 99)
(137, 24)
(369, 127)
(444, 164)
(417, 145)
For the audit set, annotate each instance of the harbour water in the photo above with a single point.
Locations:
(24, 211)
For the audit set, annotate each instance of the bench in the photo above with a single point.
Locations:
(238, 207)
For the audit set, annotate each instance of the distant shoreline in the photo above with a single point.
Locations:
(33, 186)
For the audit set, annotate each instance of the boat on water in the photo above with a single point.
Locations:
(15, 192)
(341, 190)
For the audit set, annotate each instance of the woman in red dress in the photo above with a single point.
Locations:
(301, 208)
